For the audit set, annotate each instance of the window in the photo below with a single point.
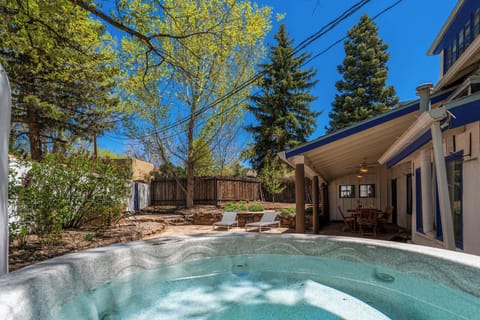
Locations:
(347, 191)
(461, 44)
(454, 51)
(476, 23)
(468, 35)
(409, 194)
(418, 200)
(454, 177)
(367, 191)
(449, 57)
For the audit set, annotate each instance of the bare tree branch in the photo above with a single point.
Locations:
(8, 10)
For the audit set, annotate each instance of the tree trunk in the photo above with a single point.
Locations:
(190, 160)
(34, 132)
(189, 197)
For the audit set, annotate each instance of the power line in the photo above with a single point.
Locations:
(344, 38)
(302, 45)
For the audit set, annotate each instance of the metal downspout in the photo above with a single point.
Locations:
(5, 112)
(424, 92)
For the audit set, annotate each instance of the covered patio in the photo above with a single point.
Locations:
(334, 164)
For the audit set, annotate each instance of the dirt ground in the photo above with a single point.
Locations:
(34, 249)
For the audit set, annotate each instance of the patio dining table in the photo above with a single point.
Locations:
(356, 213)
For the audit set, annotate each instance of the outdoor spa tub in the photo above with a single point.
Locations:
(248, 276)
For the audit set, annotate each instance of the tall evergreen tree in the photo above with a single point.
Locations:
(362, 93)
(282, 105)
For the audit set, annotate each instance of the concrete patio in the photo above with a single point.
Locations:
(332, 229)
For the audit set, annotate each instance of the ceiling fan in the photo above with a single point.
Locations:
(363, 168)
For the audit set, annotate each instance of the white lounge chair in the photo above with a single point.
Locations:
(229, 219)
(267, 220)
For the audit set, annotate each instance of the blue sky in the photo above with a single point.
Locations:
(409, 29)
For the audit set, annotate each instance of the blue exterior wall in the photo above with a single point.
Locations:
(460, 34)
(468, 9)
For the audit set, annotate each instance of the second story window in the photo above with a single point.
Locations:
(476, 23)
(454, 51)
(468, 35)
(461, 44)
(448, 59)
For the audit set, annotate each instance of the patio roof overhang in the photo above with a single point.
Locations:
(458, 113)
(415, 136)
(340, 153)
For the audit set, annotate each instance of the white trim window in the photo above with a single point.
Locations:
(366, 191)
(346, 191)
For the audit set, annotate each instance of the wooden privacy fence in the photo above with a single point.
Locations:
(210, 190)
(215, 190)
(288, 194)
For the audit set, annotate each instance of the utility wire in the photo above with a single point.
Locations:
(302, 45)
(344, 38)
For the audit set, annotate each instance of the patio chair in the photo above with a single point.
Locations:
(229, 219)
(267, 220)
(348, 222)
(368, 221)
(384, 217)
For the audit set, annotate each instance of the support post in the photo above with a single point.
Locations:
(5, 112)
(325, 204)
(424, 92)
(316, 205)
(300, 194)
(427, 195)
(442, 184)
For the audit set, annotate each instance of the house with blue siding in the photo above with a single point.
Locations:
(422, 157)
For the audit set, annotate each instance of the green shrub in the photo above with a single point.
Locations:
(255, 208)
(66, 192)
(288, 211)
(309, 210)
(241, 206)
(88, 237)
(230, 207)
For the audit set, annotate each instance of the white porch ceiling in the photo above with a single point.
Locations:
(344, 156)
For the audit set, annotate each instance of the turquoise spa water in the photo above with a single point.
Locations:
(272, 287)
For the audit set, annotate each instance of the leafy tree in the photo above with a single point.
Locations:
(271, 176)
(108, 154)
(362, 93)
(128, 15)
(192, 101)
(282, 106)
(204, 165)
(61, 66)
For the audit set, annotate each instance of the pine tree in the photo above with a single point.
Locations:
(282, 105)
(362, 93)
